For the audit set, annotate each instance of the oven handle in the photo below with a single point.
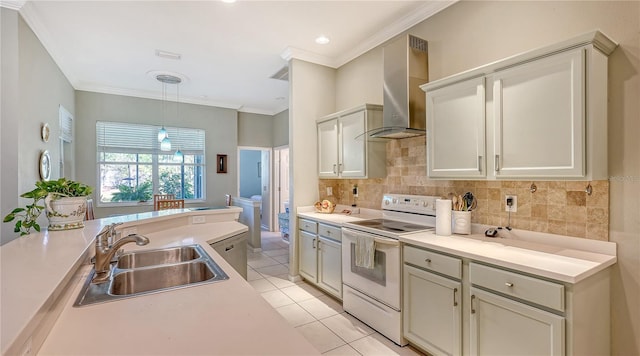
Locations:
(379, 240)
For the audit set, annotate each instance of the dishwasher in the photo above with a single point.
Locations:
(234, 250)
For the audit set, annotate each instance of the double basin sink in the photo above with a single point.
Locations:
(151, 271)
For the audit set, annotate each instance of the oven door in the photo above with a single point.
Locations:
(383, 281)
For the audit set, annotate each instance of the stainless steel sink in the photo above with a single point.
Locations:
(150, 279)
(152, 271)
(146, 258)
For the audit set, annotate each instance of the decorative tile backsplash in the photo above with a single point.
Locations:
(557, 207)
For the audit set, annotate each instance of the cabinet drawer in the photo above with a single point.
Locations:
(531, 289)
(308, 225)
(433, 261)
(330, 232)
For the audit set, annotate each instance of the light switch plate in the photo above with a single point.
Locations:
(329, 191)
(198, 219)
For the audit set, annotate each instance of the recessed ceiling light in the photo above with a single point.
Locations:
(322, 39)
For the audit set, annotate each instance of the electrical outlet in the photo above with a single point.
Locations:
(511, 203)
(329, 191)
(129, 231)
(198, 219)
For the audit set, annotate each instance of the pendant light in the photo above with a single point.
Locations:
(163, 135)
(178, 156)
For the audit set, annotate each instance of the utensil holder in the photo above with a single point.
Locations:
(461, 222)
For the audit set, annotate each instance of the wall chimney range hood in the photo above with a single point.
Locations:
(405, 69)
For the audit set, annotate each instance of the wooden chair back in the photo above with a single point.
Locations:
(159, 197)
(169, 204)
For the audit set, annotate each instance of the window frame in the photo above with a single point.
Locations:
(155, 164)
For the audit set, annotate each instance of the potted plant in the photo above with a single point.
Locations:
(65, 202)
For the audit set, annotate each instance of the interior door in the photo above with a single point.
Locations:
(265, 219)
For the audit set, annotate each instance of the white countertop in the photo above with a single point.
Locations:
(216, 318)
(563, 258)
(337, 217)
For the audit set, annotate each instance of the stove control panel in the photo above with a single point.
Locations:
(419, 204)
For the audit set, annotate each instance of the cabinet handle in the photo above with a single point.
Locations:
(497, 162)
(455, 301)
(480, 164)
(313, 243)
(334, 169)
(473, 297)
(428, 260)
(508, 284)
(229, 248)
(339, 167)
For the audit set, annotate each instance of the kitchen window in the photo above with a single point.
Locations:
(132, 168)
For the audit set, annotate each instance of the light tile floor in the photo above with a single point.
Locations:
(318, 317)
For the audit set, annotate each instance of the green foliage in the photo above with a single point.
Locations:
(26, 218)
(142, 192)
(171, 183)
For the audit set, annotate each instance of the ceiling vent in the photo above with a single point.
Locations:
(282, 74)
(168, 55)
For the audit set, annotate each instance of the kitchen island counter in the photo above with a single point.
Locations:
(226, 317)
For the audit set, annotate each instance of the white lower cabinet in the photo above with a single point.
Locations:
(458, 306)
(321, 255)
(501, 326)
(330, 266)
(433, 311)
(308, 255)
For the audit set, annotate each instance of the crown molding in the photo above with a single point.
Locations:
(422, 13)
(12, 5)
(307, 56)
(30, 16)
(425, 11)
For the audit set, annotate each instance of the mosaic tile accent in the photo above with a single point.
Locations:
(558, 207)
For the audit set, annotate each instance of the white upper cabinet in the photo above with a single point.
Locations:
(455, 130)
(541, 114)
(539, 117)
(344, 150)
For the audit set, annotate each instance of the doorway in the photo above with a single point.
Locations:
(254, 180)
(281, 178)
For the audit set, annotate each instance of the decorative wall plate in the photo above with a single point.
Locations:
(45, 165)
(46, 131)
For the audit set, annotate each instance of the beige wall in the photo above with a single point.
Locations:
(312, 95)
(255, 130)
(34, 88)
(220, 125)
(473, 33)
(281, 129)
(360, 81)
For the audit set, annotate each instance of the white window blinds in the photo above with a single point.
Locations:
(137, 138)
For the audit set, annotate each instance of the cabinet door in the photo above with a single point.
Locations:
(456, 130)
(328, 148)
(432, 312)
(308, 255)
(352, 151)
(330, 266)
(500, 326)
(539, 118)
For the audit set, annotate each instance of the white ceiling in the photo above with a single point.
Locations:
(229, 51)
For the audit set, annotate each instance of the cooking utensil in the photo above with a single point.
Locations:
(470, 201)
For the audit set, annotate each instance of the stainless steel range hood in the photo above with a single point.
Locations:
(405, 69)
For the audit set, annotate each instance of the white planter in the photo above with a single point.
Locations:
(65, 213)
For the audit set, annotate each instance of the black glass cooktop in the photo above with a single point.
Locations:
(391, 225)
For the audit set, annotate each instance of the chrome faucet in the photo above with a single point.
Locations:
(105, 251)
